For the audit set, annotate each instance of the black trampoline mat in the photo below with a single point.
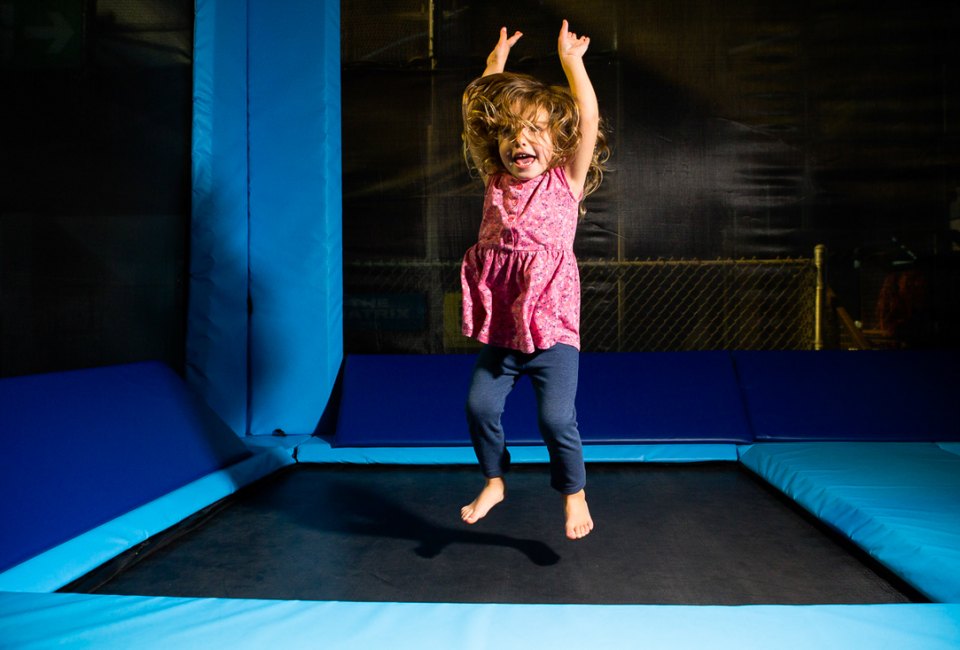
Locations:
(708, 534)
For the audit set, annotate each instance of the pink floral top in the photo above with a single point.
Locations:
(521, 286)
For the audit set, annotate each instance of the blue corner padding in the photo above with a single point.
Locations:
(889, 395)
(217, 328)
(410, 400)
(897, 501)
(264, 332)
(83, 447)
(952, 447)
(296, 266)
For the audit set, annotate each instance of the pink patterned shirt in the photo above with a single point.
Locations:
(521, 286)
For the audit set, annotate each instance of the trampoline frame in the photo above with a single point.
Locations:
(39, 619)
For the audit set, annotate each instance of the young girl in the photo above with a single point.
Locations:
(536, 149)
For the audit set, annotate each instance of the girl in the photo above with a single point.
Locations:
(539, 152)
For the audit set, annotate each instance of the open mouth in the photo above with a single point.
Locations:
(524, 159)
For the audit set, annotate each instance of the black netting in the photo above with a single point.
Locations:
(740, 132)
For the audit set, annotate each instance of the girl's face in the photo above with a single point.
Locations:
(527, 153)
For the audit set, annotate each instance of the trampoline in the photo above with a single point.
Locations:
(703, 534)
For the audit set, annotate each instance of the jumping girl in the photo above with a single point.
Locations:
(539, 151)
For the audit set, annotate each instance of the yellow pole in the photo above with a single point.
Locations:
(818, 300)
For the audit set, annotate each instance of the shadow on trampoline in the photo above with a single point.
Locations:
(355, 510)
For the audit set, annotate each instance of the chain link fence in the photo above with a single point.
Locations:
(405, 306)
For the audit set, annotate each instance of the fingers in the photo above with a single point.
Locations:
(569, 41)
(508, 41)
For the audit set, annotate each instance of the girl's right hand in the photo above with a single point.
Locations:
(497, 60)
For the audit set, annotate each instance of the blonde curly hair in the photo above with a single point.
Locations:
(507, 102)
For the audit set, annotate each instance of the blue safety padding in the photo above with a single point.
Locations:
(217, 317)
(81, 620)
(900, 502)
(661, 397)
(83, 447)
(319, 450)
(296, 279)
(64, 563)
(264, 335)
(409, 400)
(890, 395)
(952, 447)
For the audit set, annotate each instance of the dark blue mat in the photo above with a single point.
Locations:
(890, 395)
(83, 447)
(411, 400)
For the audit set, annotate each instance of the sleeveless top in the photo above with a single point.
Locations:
(521, 285)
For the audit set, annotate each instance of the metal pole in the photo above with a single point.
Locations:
(818, 300)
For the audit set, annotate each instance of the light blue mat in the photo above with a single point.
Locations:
(74, 621)
(900, 502)
(319, 450)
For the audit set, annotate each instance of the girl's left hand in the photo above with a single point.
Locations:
(497, 60)
(568, 45)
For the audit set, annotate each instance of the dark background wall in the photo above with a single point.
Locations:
(95, 169)
(750, 130)
(755, 129)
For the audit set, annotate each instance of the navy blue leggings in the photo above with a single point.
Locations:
(554, 376)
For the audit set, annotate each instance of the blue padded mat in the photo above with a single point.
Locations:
(78, 620)
(898, 501)
(839, 395)
(83, 447)
(320, 450)
(414, 400)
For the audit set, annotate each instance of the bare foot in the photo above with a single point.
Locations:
(492, 493)
(579, 523)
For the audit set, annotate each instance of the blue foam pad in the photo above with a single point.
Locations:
(661, 397)
(321, 451)
(408, 400)
(82, 620)
(401, 400)
(218, 314)
(83, 447)
(292, 69)
(886, 395)
(897, 501)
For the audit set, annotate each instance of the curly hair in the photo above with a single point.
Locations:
(507, 102)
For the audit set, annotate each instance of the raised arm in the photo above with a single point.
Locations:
(571, 50)
(497, 60)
